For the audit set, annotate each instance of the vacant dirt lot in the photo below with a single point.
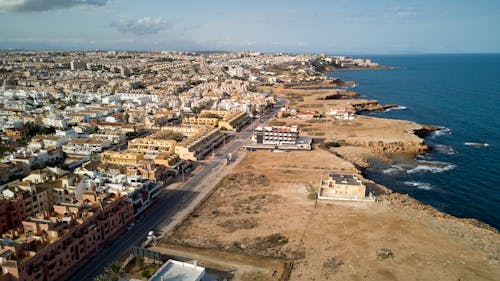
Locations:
(266, 208)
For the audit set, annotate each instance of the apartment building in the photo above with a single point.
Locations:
(11, 213)
(276, 135)
(35, 197)
(125, 157)
(162, 141)
(85, 147)
(148, 170)
(234, 121)
(200, 121)
(16, 134)
(196, 147)
(169, 160)
(51, 247)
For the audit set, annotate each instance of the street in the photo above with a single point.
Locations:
(166, 206)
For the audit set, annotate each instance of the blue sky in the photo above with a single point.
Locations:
(336, 26)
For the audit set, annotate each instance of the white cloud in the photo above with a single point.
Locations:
(141, 26)
(45, 5)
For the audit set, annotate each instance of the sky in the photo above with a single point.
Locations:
(312, 26)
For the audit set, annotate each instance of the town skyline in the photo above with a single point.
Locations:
(350, 27)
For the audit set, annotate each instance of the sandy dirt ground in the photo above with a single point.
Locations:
(266, 208)
(361, 138)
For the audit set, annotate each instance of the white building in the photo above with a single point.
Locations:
(55, 120)
(85, 147)
(179, 271)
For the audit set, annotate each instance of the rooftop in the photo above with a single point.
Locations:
(345, 179)
(178, 271)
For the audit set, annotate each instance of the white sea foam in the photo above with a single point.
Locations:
(476, 144)
(398, 168)
(444, 149)
(432, 167)
(419, 185)
(443, 131)
(399, 107)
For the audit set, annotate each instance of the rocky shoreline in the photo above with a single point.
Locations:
(386, 150)
(410, 151)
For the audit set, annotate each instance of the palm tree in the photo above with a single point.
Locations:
(114, 271)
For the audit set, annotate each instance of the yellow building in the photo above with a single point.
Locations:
(15, 134)
(196, 147)
(234, 121)
(124, 157)
(227, 120)
(189, 143)
(200, 121)
(167, 159)
(343, 187)
(162, 141)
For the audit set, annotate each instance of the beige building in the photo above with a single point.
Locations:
(196, 147)
(343, 187)
(200, 121)
(234, 121)
(228, 120)
(167, 159)
(51, 247)
(189, 143)
(162, 141)
(125, 157)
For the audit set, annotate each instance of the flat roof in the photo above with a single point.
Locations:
(345, 179)
(174, 270)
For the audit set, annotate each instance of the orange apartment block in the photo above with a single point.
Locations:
(147, 170)
(11, 213)
(52, 247)
(15, 134)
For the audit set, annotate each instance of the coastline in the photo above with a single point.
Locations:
(266, 207)
(387, 152)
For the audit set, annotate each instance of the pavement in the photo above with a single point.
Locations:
(172, 205)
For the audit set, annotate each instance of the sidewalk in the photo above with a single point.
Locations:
(204, 189)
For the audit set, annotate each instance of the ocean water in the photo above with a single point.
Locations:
(460, 93)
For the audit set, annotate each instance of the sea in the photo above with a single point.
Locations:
(460, 93)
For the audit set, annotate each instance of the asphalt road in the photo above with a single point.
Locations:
(166, 206)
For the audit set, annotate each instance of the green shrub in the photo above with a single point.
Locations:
(333, 144)
(146, 273)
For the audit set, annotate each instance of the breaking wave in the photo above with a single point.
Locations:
(423, 166)
(441, 148)
(399, 107)
(419, 185)
(443, 131)
(394, 169)
(432, 167)
(476, 144)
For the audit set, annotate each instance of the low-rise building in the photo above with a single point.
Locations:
(85, 147)
(342, 113)
(234, 121)
(196, 147)
(16, 134)
(343, 187)
(177, 270)
(169, 160)
(162, 141)
(125, 157)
